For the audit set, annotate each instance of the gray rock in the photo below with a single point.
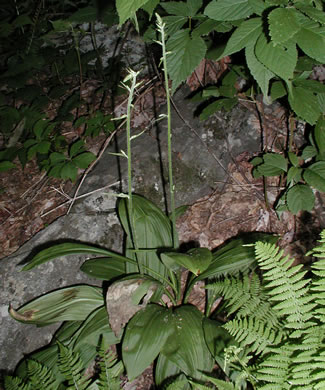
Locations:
(200, 158)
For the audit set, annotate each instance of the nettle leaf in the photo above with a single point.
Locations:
(260, 73)
(144, 338)
(315, 175)
(247, 33)
(83, 160)
(126, 8)
(150, 7)
(174, 23)
(66, 304)
(279, 59)
(312, 43)
(276, 161)
(300, 197)
(319, 134)
(305, 104)
(258, 6)
(186, 54)
(314, 13)
(226, 10)
(283, 24)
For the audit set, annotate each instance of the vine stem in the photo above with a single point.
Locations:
(161, 29)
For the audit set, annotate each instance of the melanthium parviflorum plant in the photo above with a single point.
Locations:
(164, 327)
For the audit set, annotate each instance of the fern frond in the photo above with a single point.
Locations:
(15, 383)
(257, 334)
(286, 284)
(110, 370)
(247, 296)
(40, 376)
(70, 365)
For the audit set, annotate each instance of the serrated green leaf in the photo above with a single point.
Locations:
(315, 50)
(300, 197)
(176, 8)
(277, 90)
(56, 158)
(283, 24)
(305, 104)
(294, 174)
(294, 159)
(186, 54)
(144, 337)
(150, 6)
(43, 147)
(66, 304)
(314, 13)
(126, 8)
(279, 59)
(76, 148)
(315, 175)
(276, 160)
(210, 91)
(83, 160)
(104, 268)
(69, 171)
(186, 346)
(258, 6)
(6, 165)
(244, 35)
(226, 103)
(319, 134)
(311, 85)
(227, 10)
(308, 152)
(260, 73)
(174, 23)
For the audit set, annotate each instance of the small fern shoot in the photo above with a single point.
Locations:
(110, 369)
(71, 367)
(39, 376)
(15, 383)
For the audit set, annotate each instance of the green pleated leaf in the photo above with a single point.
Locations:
(66, 304)
(283, 24)
(104, 268)
(165, 369)
(300, 197)
(319, 133)
(226, 10)
(234, 257)
(280, 60)
(126, 8)
(144, 337)
(305, 104)
(186, 54)
(247, 33)
(70, 249)
(196, 260)
(315, 50)
(153, 231)
(315, 175)
(260, 73)
(186, 346)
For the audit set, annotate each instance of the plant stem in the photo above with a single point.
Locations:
(131, 89)
(161, 29)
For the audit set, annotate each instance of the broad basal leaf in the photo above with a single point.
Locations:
(104, 268)
(279, 59)
(246, 34)
(165, 369)
(186, 54)
(300, 197)
(196, 260)
(305, 104)
(70, 248)
(283, 24)
(225, 10)
(312, 43)
(145, 336)
(66, 304)
(186, 346)
(126, 8)
(315, 175)
(260, 73)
